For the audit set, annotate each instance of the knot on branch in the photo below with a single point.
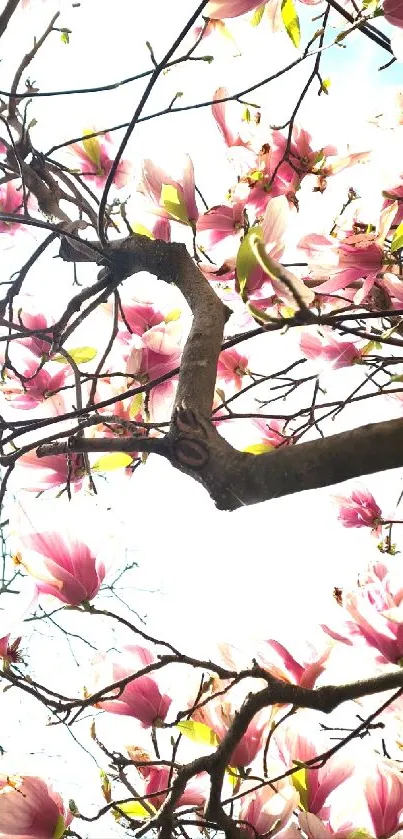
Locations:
(191, 453)
(189, 438)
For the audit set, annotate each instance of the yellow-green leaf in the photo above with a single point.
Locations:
(136, 405)
(370, 346)
(106, 786)
(259, 316)
(246, 259)
(141, 230)
(113, 460)
(287, 312)
(174, 314)
(60, 828)
(134, 810)
(397, 241)
(325, 84)
(92, 148)
(300, 782)
(233, 776)
(291, 21)
(199, 732)
(172, 201)
(257, 15)
(259, 448)
(80, 355)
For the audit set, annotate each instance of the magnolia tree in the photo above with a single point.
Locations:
(153, 333)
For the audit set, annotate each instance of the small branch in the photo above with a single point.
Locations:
(25, 63)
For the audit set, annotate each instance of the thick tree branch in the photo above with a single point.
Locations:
(7, 14)
(193, 445)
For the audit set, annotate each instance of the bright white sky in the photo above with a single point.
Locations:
(266, 570)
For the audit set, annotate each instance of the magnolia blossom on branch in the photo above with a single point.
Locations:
(29, 809)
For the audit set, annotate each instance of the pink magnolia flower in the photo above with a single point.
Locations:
(10, 202)
(29, 383)
(271, 432)
(229, 8)
(392, 195)
(303, 158)
(9, 650)
(181, 204)
(43, 473)
(157, 780)
(30, 809)
(156, 353)
(375, 623)
(277, 170)
(332, 165)
(34, 320)
(228, 118)
(215, 29)
(141, 316)
(393, 11)
(61, 562)
(261, 181)
(360, 510)
(221, 226)
(302, 670)
(141, 697)
(232, 367)
(357, 256)
(294, 743)
(96, 156)
(334, 351)
(219, 716)
(268, 810)
(383, 789)
(316, 829)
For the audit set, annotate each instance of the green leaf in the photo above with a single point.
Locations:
(134, 810)
(198, 732)
(65, 36)
(114, 460)
(174, 314)
(142, 231)
(291, 21)
(233, 776)
(370, 346)
(397, 241)
(106, 786)
(80, 355)
(257, 15)
(136, 405)
(92, 148)
(259, 448)
(60, 828)
(300, 782)
(359, 833)
(246, 259)
(172, 201)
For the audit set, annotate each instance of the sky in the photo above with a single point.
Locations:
(203, 574)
